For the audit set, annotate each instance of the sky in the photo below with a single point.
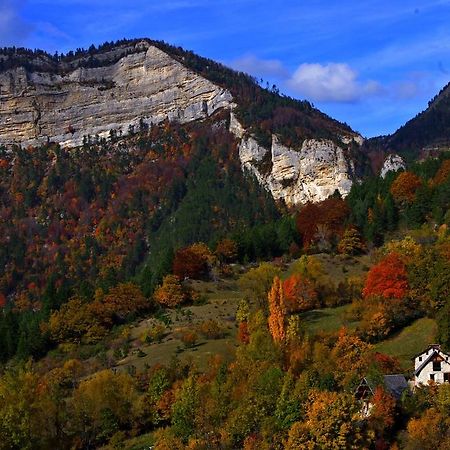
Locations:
(371, 64)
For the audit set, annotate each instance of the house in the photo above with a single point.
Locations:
(394, 385)
(431, 365)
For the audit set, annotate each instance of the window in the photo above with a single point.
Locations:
(432, 376)
(436, 366)
(447, 377)
(420, 358)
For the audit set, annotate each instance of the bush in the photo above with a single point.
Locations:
(189, 338)
(211, 329)
(154, 334)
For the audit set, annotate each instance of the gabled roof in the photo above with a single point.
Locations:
(427, 360)
(435, 347)
(395, 384)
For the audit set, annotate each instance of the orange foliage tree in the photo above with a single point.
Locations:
(125, 299)
(171, 292)
(404, 187)
(299, 294)
(277, 312)
(226, 250)
(387, 279)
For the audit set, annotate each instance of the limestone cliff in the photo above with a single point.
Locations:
(147, 84)
(310, 174)
(392, 163)
(64, 101)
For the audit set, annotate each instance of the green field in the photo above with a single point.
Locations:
(327, 319)
(409, 341)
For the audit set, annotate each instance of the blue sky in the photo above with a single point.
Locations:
(372, 64)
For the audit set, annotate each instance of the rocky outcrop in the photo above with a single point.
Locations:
(392, 163)
(66, 101)
(146, 85)
(310, 174)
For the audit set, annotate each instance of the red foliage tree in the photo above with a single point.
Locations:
(328, 215)
(299, 294)
(383, 413)
(387, 279)
(2, 300)
(387, 364)
(189, 263)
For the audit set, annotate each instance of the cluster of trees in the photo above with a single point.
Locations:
(74, 222)
(405, 199)
(283, 389)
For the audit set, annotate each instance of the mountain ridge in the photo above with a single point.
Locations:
(115, 90)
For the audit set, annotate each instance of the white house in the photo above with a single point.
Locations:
(431, 365)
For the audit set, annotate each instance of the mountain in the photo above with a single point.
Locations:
(295, 152)
(425, 135)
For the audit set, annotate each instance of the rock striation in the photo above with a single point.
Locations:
(392, 163)
(146, 85)
(132, 84)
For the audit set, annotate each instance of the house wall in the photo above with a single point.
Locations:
(424, 376)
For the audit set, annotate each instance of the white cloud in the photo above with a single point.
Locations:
(333, 82)
(260, 67)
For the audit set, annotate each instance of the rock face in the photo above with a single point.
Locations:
(147, 84)
(131, 84)
(392, 163)
(311, 174)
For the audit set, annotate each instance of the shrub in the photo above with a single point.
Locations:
(189, 338)
(211, 329)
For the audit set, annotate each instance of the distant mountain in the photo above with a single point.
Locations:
(425, 135)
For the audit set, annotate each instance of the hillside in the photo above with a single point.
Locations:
(425, 135)
(187, 262)
(295, 152)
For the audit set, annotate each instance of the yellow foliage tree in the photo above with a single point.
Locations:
(277, 312)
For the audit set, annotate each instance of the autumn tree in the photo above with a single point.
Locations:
(443, 173)
(102, 405)
(387, 279)
(125, 299)
(171, 292)
(350, 354)
(330, 423)
(324, 220)
(404, 187)
(191, 262)
(277, 312)
(226, 251)
(71, 322)
(428, 432)
(299, 294)
(351, 242)
(257, 282)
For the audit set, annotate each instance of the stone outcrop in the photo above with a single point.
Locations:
(145, 85)
(310, 174)
(392, 163)
(134, 84)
